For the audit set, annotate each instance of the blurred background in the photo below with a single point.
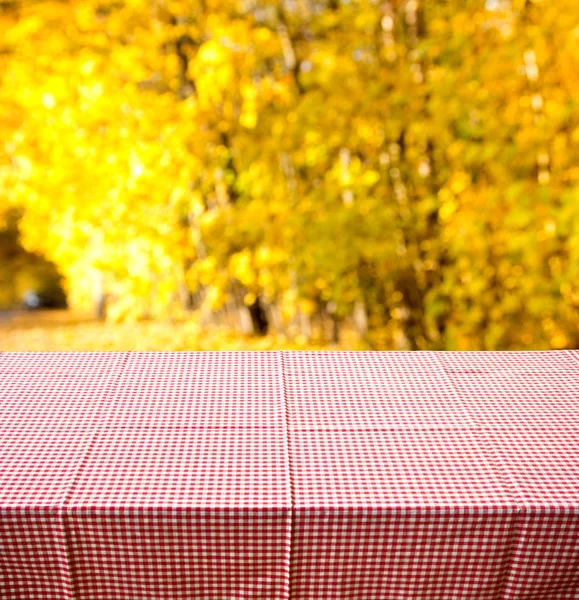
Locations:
(226, 174)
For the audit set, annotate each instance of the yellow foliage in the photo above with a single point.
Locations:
(418, 165)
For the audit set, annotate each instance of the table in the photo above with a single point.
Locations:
(278, 475)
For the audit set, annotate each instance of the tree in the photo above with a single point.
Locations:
(293, 165)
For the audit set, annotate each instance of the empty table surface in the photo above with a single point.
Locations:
(289, 475)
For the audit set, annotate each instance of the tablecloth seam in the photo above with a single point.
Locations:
(97, 427)
(290, 473)
(575, 355)
(471, 419)
(503, 478)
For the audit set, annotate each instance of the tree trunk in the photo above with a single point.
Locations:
(360, 318)
(258, 318)
(335, 330)
(99, 296)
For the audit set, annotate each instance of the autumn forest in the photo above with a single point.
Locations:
(404, 169)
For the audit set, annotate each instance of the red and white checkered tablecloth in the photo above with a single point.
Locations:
(288, 475)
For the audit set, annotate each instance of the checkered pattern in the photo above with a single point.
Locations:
(542, 468)
(37, 468)
(182, 513)
(201, 389)
(398, 514)
(57, 390)
(306, 476)
(369, 390)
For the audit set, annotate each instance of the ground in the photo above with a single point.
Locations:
(63, 330)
